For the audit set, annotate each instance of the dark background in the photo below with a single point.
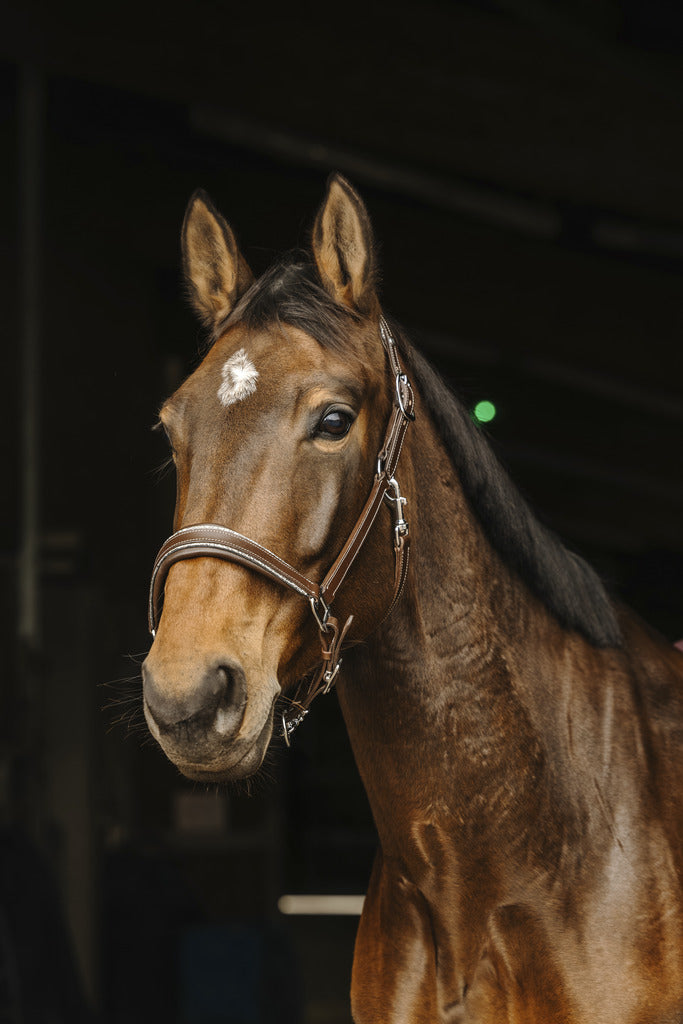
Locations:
(522, 164)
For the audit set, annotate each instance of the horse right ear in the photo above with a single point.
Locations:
(216, 273)
(343, 247)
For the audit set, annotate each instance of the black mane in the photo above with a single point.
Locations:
(563, 581)
(291, 293)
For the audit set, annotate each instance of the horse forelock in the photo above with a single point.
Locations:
(290, 292)
(567, 586)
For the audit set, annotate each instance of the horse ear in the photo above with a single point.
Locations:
(216, 273)
(343, 246)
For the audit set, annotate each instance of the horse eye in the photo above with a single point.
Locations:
(335, 424)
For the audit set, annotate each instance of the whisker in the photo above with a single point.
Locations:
(122, 706)
(160, 471)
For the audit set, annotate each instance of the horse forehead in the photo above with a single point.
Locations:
(243, 362)
(266, 369)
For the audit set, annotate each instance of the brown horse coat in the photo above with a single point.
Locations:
(519, 737)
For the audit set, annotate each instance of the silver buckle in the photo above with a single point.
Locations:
(289, 725)
(401, 527)
(317, 603)
(330, 676)
(402, 380)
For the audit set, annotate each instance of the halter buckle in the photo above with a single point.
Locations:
(401, 527)
(291, 722)
(320, 611)
(406, 404)
(330, 676)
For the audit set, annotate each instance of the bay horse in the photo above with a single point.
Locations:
(518, 733)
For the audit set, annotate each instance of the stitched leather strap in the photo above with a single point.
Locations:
(212, 541)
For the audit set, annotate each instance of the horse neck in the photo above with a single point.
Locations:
(444, 705)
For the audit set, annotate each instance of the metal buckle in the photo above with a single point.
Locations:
(289, 725)
(316, 603)
(401, 526)
(330, 676)
(402, 380)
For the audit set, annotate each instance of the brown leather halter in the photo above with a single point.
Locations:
(208, 540)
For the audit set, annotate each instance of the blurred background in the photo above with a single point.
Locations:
(522, 164)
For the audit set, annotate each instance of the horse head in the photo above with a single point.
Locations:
(275, 438)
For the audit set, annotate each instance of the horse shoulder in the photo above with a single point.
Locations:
(521, 979)
(394, 968)
(517, 980)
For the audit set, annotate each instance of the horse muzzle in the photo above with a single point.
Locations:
(204, 718)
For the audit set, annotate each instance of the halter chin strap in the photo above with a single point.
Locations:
(208, 540)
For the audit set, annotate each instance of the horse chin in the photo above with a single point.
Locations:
(215, 762)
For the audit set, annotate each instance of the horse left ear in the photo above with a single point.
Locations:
(216, 272)
(343, 247)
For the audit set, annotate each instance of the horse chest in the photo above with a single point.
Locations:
(435, 953)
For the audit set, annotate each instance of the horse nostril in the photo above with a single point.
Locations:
(217, 701)
(232, 701)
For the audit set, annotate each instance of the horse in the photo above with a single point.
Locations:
(518, 732)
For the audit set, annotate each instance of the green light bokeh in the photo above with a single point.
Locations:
(484, 412)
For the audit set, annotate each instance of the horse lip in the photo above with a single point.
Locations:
(228, 767)
(203, 773)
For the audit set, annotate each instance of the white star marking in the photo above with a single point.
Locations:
(239, 379)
